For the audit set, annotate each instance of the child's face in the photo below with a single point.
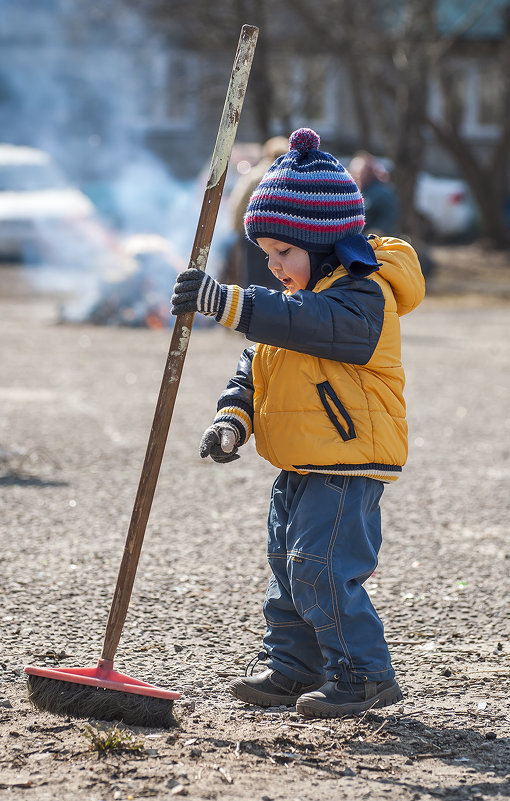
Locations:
(290, 264)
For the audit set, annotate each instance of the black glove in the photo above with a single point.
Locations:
(219, 441)
(194, 291)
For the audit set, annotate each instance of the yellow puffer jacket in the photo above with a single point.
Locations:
(313, 414)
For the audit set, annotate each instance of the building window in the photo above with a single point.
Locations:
(490, 92)
(476, 90)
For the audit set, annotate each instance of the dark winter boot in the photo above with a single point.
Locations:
(338, 698)
(270, 688)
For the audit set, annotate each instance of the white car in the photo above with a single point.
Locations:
(35, 202)
(45, 220)
(445, 206)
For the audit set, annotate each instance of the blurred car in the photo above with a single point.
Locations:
(445, 207)
(35, 202)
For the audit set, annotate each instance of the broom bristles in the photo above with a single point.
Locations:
(83, 701)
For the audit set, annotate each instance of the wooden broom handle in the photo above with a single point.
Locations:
(179, 344)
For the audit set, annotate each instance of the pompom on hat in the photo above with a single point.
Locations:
(306, 198)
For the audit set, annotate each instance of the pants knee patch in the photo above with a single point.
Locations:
(310, 590)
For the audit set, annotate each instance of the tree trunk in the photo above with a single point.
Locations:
(260, 81)
(488, 182)
(411, 60)
(345, 42)
(358, 75)
(487, 188)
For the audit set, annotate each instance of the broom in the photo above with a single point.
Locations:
(101, 692)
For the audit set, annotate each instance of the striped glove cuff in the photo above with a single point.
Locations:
(235, 307)
(238, 415)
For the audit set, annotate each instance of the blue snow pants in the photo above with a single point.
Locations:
(324, 537)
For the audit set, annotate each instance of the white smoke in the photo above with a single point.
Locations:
(75, 82)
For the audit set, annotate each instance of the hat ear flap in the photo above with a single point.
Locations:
(357, 255)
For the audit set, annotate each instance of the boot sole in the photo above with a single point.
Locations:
(313, 708)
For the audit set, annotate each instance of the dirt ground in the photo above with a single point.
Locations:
(77, 404)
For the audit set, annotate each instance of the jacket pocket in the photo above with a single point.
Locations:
(336, 411)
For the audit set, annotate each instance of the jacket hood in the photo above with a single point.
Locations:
(400, 267)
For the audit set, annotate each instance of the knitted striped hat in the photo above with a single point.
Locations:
(306, 198)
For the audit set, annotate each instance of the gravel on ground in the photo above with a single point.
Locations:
(77, 404)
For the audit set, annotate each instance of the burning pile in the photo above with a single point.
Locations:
(138, 296)
(140, 299)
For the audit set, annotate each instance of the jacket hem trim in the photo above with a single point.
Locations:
(371, 470)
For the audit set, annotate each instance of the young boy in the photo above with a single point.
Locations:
(322, 391)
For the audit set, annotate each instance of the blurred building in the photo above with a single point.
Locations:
(92, 82)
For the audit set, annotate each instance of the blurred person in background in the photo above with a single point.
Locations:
(247, 264)
(382, 207)
(382, 211)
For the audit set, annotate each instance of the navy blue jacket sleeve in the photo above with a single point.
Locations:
(239, 390)
(342, 323)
